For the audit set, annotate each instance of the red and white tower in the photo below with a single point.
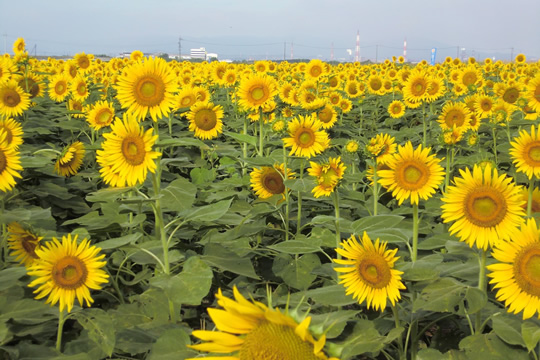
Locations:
(357, 53)
(405, 49)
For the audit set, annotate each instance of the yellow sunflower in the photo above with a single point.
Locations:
(83, 61)
(396, 109)
(306, 139)
(71, 159)
(147, 87)
(13, 132)
(22, 243)
(10, 164)
(205, 120)
(515, 273)
(327, 176)
(136, 55)
(252, 330)
(525, 152)
(435, 90)
(327, 116)
(484, 207)
(59, 87)
(483, 106)
(352, 146)
(535, 206)
(414, 174)
(79, 89)
(369, 272)
(345, 105)
(268, 181)
(67, 270)
(382, 147)
(127, 154)
(454, 114)
(416, 87)
(19, 46)
(13, 100)
(315, 69)
(532, 94)
(101, 115)
(254, 91)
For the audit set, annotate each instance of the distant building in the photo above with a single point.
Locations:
(198, 53)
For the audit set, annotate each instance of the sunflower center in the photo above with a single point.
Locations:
(257, 93)
(104, 116)
(374, 270)
(149, 90)
(485, 207)
(206, 119)
(533, 152)
(60, 87)
(270, 341)
(133, 150)
(3, 161)
(375, 84)
(469, 78)
(81, 89)
(29, 244)
(527, 269)
(537, 92)
(315, 71)
(69, 273)
(325, 115)
(486, 105)
(273, 183)
(396, 109)
(9, 134)
(306, 138)
(12, 98)
(454, 117)
(328, 177)
(418, 88)
(412, 175)
(511, 95)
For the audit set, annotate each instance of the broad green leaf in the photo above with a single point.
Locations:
(448, 295)
(530, 333)
(364, 339)
(119, 241)
(210, 212)
(9, 276)
(297, 246)
(331, 295)
(489, 346)
(378, 222)
(508, 328)
(332, 323)
(432, 354)
(301, 185)
(179, 195)
(107, 194)
(28, 311)
(100, 328)
(296, 272)
(243, 138)
(201, 176)
(171, 345)
(134, 341)
(183, 141)
(223, 259)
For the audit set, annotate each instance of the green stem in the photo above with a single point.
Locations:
(415, 233)
(424, 139)
(261, 134)
(447, 176)
(61, 320)
(287, 195)
(493, 132)
(299, 214)
(482, 286)
(375, 189)
(244, 144)
(530, 198)
(353, 168)
(400, 339)
(336, 208)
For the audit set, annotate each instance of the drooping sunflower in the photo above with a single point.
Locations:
(66, 270)
(252, 330)
(127, 154)
(525, 152)
(59, 87)
(396, 109)
(326, 175)
(205, 120)
(268, 181)
(484, 207)
(10, 164)
(13, 100)
(254, 91)
(454, 114)
(70, 160)
(101, 115)
(369, 273)
(414, 174)
(147, 87)
(14, 132)
(306, 139)
(515, 275)
(22, 243)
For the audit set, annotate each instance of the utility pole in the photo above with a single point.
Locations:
(179, 49)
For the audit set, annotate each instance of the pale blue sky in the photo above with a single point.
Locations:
(266, 29)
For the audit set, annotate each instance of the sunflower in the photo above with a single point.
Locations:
(375, 84)
(352, 146)
(147, 87)
(520, 58)
(396, 109)
(256, 90)
(13, 132)
(525, 152)
(79, 89)
(59, 87)
(101, 115)
(353, 89)
(345, 105)
(470, 76)
(453, 136)
(435, 90)
(535, 206)
(205, 120)
(10, 164)
(22, 243)
(483, 106)
(19, 46)
(532, 93)
(484, 207)
(230, 78)
(315, 69)
(382, 147)
(368, 272)
(310, 101)
(414, 174)
(416, 87)
(252, 330)
(77, 108)
(515, 274)
(186, 98)
(136, 55)
(327, 116)
(32, 84)
(454, 114)
(268, 181)
(67, 270)
(306, 139)
(83, 61)
(127, 154)
(326, 175)
(13, 100)
(70, 161)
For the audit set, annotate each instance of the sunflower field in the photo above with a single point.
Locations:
(155, 209)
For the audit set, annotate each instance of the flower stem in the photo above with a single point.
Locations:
(482, 286)
(287, 195)
(424, 138)
(415, 233)
(530, 198)
(495, 145)
(375, 189)
(261, 134)
(299, 214)
(336, 208)
(61, 320)
(400, 339)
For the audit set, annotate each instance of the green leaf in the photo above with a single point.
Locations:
(364, 339)
(210, 212)
(107, 194)
(530, 333)
(489, 346)
(9, 276)
(243, 138)
(296, 272)
(378, 222)
(171, 345)
(28, 311)
(432, 354)
(217, 256)
(508, 328)
(100, 328)
(179, 195)
(183, 141)
(447, 295)
(302, 246)
(330, 295)
(118, 242)
(301, 185)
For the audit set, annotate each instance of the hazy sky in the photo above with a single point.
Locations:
(266, 29)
